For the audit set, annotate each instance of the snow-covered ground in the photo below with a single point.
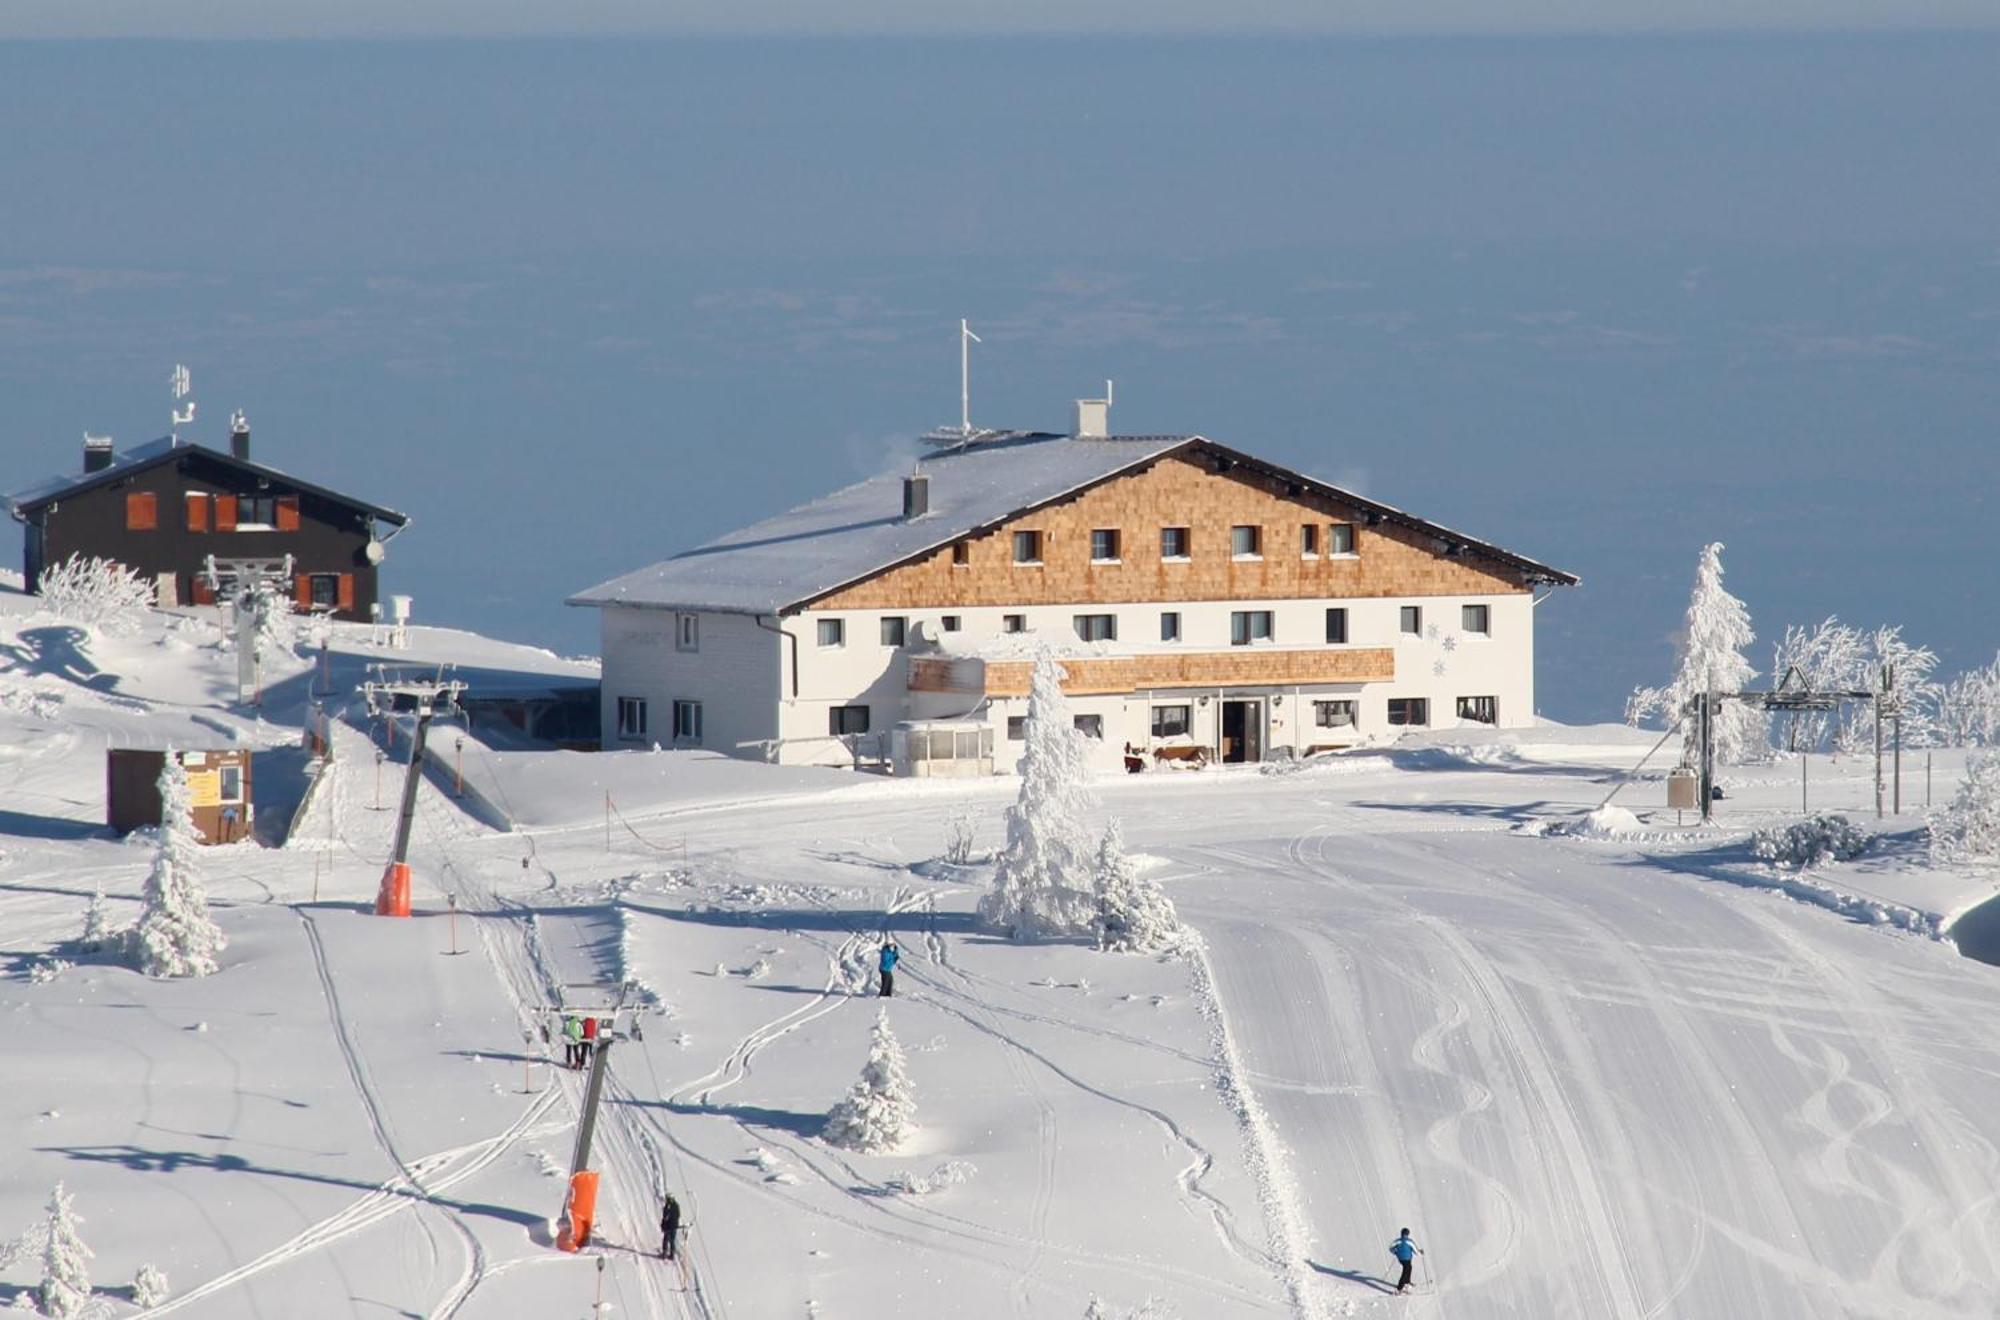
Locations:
(1624, 1073)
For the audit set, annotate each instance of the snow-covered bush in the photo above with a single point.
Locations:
(958, 838)
(97, 593)
(1828, 656)
(96, 936)
(175, 935)
(65, 1286)
(1133, 915)
(1711, 659)
(1805, 844)
(1042, 886)
(1968, 708)
(1967, 829)
(149, 1289)
(877, 1113)
(951, 1173)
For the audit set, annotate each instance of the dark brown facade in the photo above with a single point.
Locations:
(162, 515)
(218, 782)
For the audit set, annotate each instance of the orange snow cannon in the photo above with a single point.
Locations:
(394, 898)
(581, 1213)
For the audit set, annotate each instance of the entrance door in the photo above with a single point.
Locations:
(1242, 731)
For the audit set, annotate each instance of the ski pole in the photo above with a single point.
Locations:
(1429, 1282)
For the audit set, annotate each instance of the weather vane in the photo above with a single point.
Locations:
(182, 383)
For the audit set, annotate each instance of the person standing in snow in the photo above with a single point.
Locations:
(572, 1041)
(889, 956)
(589, 1042)
(670, 1225)
(1407, 1252)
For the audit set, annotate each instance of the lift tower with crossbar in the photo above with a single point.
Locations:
(429, 698)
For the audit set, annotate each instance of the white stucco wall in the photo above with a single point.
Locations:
(733, 673)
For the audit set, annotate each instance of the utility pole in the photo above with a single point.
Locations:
(430, 696)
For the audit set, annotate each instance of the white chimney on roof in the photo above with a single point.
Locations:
(1093, 416)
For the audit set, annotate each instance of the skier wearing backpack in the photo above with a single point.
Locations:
(1407, 1252)
(572, 1041)
(889, 956)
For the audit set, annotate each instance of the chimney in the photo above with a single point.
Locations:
(1093, 416)
(916, 496)
(96, 452)
(239, 437)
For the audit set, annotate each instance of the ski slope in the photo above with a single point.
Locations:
(1608, 1077)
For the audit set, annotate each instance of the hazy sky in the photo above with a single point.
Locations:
(579, 304)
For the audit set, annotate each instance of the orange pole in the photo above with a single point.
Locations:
(393, 900)
(580, 1214)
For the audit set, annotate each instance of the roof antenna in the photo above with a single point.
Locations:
(966, 339)
(181, 384)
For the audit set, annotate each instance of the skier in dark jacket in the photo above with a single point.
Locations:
(1407, 1252)
(670, 1225)
(889, 956)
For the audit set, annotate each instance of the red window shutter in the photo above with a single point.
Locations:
(142, 511)
(200, 592)
(225, 513)
(197, 511)
(302, 590)
(288, 513)
(346, 597)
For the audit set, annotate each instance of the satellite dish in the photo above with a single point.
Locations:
(374, 552)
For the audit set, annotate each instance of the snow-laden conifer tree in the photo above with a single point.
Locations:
(1042, 886)
(879, 1110)
(65, 1275)
(1967, 829)
(1968, 708)
(1711, 658)
(96, 935)
(149, 1289)
(1133, 915)
(175, 935)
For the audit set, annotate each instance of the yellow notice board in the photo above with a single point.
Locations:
(206, 785)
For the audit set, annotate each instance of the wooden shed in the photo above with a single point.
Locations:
(219, 781)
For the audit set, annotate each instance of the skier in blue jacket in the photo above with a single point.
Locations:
(889, 956)
(1407, 1252)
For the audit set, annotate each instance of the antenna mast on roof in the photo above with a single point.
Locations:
(966, 339)
(181, 383)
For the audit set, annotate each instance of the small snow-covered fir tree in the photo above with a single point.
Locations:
(1042, 885)
(1968, 708)
(175, 935)
(1967, 829)
(1711, 659)
(1133, 915)
(958, 838)
(65, 1286)
(149, 1288)
(96, 935)
(879, 1110)
(96, 593)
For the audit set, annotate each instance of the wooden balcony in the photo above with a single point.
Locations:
(1238, 667)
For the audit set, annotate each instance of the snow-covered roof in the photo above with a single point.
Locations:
(787, 561)
(128, 461)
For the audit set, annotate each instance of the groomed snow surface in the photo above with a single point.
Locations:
(1618, 1072)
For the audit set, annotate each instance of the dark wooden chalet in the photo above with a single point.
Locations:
(163, 508)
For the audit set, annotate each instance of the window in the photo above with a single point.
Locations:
(1413, 619)
(687, 632)
(687, 722)
(1027, 547)
(1170, 626)
(1104, 546)
(1333, 714)
(1409, 710)
(1340, 539)
(1476, 619)
(1246, 542)
(231, 787)
(833, 632)
(1309, 540)
(326, 590)
(142, 511)
(256, 513)
(1480, 710)
(1090, 726)
(1171, 721)
(1247, 626)
(950, 622)
(1336, 625)
(631, 717)
(894, 628)
(844, 720)
(961, 554)
(1017, 728)
(1096, 627)
(1173, 543)
(1013, 623)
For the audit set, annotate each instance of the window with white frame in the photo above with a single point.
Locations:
(1013, 623)
(1476, 619)
(230, 784)
(833, 632)
(961, 554)
(1412, 618)
(1309, 540)
(1170, 625)
(631, 717)
(842, 721)
(1096, 627)
(1246, 541)
(1090, 726)
(1174, 542)
(1027, 547)
(1247, 626)
(950, 622)
(1017, 728)
(687, 632)
(1336, 625)
(256, 512)
(1104, 545)
(687, 723)
(1172, 721)
(1480, 710)
(1340, 539)
(894, 629)
(1333, 714)
(1409, 710)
